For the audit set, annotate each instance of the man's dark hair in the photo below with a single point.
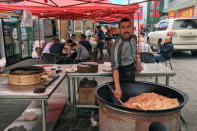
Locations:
(124, 20)
(56, 40)
(69, 41)
(73, 44)
(83, 36)
(73, 35)
(108, 39)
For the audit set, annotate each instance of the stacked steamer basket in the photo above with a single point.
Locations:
(26, 75)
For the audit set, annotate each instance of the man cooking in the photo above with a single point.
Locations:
(123, 56)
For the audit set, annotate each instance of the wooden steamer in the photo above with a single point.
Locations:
(87, 67)
(27, 75)
(24, 79)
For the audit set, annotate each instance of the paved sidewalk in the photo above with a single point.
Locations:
(186, 80)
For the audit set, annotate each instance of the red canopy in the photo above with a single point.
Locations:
(97, 10)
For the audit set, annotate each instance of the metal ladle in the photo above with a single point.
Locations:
(119, 100)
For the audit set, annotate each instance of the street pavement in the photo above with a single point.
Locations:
(185, 79)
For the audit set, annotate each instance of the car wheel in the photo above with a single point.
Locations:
(194, 53)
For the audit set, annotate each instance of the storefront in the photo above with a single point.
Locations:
(10, 29)
(181, 9)
(186, 13)
(26, 41)
(15, 41)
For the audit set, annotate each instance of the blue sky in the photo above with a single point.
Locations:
(119, 1)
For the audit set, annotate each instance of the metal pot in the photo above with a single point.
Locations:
(114, 117)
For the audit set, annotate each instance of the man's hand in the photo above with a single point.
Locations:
(162, 43)
(138, 65)
(118, 93)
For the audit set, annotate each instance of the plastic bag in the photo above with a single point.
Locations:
(26, 19)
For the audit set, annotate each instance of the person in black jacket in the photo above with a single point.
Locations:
(100, 44)
(85, 43)
(162, 54)
(57, 48)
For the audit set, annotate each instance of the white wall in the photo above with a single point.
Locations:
(172, 3)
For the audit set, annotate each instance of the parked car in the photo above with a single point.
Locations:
(183, 32)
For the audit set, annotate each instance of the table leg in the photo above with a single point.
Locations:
(77, 82)
(43, 115)
(156, 79)
(167, 80)
(74, 93)
(69, 93)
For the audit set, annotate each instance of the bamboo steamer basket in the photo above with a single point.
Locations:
(24, 79)
(26, 75)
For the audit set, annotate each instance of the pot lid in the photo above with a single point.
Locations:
(26, 70)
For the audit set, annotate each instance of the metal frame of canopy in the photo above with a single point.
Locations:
(96, 10)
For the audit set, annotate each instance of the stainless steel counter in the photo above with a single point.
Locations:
(105, 71)
(8, 91)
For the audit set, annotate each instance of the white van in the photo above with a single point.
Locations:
(183, 32)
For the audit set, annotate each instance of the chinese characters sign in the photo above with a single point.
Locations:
(155, 13)
(172, 14)
(186, 13)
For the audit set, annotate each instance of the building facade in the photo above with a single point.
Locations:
(155, 11)
(181, 8)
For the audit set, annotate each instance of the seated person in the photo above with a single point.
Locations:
(142, 33)
(69, 42)
(162, 54)
(146, 52)
(82, 52)
(144, 47)
(85, 43)
(48, 46)
(57, 48)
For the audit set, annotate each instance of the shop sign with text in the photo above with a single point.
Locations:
(186, 13)
(155, 13)
(172, 14)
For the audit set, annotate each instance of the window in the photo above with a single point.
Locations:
(163, 25)
(185, 24)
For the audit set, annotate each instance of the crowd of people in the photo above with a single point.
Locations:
(90, 45)
(76, 51)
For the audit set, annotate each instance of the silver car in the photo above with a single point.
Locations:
(183, 32)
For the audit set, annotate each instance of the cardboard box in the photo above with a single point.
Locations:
(86, 96)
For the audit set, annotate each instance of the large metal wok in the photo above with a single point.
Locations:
(114, 117)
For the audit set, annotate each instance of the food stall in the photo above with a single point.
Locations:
(108, 110)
